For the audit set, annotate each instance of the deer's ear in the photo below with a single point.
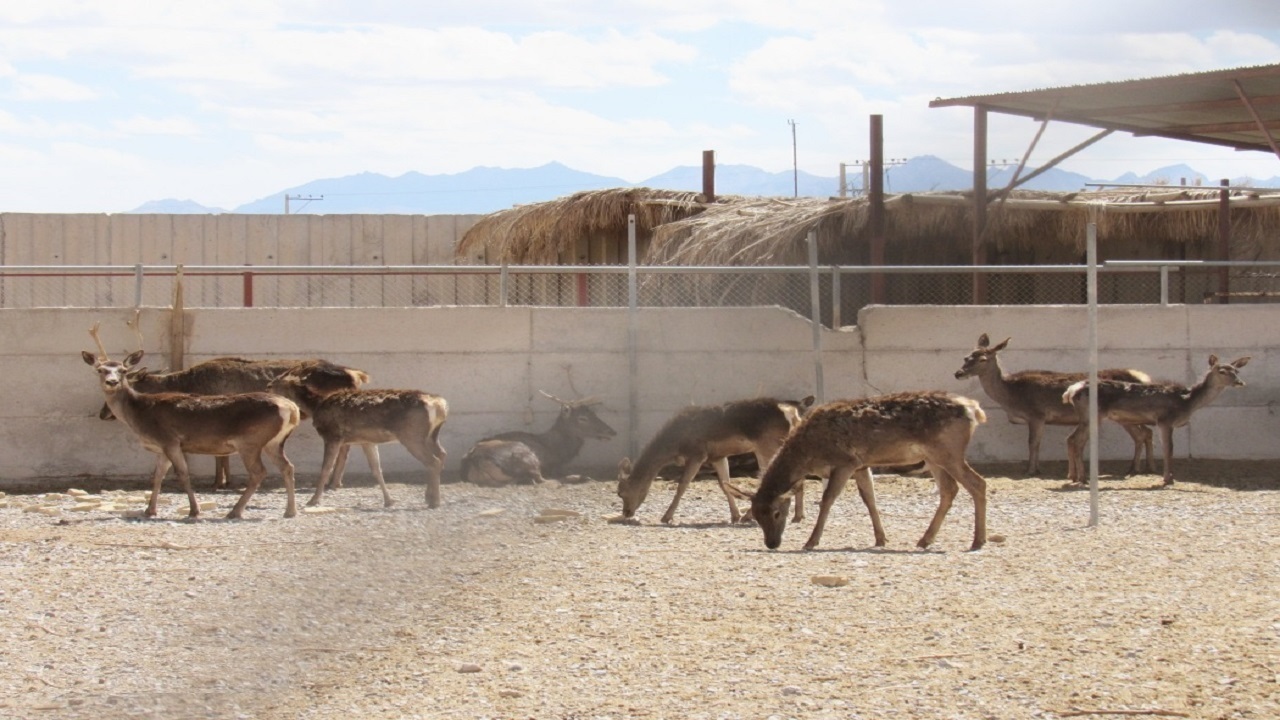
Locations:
(1002, 345)
(983, 340)
(624, 467)
(1242, 361)
(807, 401)
(1213, 360)
(89, 357)
(134, 358)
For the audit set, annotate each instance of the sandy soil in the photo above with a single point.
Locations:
(526, 603)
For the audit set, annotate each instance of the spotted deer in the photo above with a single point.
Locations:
(229, 375)
(701, 434)
(846, 438)
(1166, 405)
(525, 457)
(368, 418)
(1034, 397)
(172, 425)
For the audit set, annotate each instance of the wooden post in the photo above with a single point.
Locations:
(876, 208)
(979, 202)
(1224, 241)
(709, 175)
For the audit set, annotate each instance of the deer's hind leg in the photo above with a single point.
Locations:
(282, 463)
(947, 490)
(427, 449)
(1142, 441)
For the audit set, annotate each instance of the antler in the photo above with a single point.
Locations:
(553, 397)
(137, 326)
(102, 351)
(591, 400)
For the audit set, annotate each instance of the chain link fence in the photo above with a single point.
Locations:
(840, 291)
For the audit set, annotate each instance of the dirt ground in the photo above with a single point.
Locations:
(527, 603)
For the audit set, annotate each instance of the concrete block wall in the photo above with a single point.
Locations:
(491, 363)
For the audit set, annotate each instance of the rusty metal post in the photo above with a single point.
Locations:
(248, 288)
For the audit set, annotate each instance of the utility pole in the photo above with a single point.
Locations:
(795, 168)
(306, 200)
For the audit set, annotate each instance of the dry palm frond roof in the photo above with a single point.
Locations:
(539, 232)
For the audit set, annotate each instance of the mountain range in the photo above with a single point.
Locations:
(483, 190)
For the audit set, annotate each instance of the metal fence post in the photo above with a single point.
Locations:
(137, 285)
(1164, 285)
(836, 323)
(503, 276)
(816, 315)
(632, 338)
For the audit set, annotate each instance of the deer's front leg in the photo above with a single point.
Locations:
(691, 467)
(835, 485)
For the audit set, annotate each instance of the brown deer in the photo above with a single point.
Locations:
(1034, 397)
(524, 457)
(227, 376)
(701, 434)
(172, 424)
(846, 438)
(1166, 405)
(368, 418)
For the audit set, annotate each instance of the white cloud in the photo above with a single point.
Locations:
(32, 87)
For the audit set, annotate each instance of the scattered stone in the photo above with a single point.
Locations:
(468, 668)
(510, 693)
(997, 539)
(830, 580)
(491, 512)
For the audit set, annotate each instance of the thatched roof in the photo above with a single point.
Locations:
(920, 228)
(539, 233)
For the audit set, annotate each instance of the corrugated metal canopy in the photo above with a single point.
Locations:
(1237, 108)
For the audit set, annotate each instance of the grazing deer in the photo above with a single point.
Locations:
(524, 457)
(1034, 397)
(848, 437)
(1165, 405)
(701, 434)
(227, 376)
(367, 418)
(172, 424)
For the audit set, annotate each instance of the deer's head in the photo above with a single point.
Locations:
(771, 515)
(579, 419)
(632, 489)
(1227, 374)
(112, 375)
(982, 358)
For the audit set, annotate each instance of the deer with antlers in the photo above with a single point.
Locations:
(846, 438)
(1166, 405)
(1034, 397)
(701, 434)
(230, 375)
(525, 457)
(171, 425)
(368, 418)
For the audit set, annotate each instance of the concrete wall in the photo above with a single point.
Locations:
(490, 364)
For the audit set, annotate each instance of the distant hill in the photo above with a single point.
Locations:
(488, 189)
(172, 206)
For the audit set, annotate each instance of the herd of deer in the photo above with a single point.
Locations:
(232, 406)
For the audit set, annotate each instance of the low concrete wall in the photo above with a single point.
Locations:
(490, 364)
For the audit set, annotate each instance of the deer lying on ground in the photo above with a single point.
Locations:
(847, 438)
(524, 457)
(368, 418)
(230, 375)
(1165, 405)
(1034, 397)
(701, 434)
(173, 424)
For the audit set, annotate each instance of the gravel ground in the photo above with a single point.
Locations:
(527, 603)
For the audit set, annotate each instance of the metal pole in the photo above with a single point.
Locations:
(836, 323)
(632, 338)
(1164, 286)
(504, 276)
(816, 314)
(1092, 253)
(137, 285)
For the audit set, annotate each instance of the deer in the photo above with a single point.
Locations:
(1034, 397)
(847, 438)
(369, 417)
(172, 424)
(524, 457)
(228, 375)
(699, 434)
(1166, 405)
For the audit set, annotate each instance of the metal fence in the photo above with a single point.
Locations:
(837, 291)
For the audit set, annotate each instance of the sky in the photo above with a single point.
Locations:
(107, 105)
